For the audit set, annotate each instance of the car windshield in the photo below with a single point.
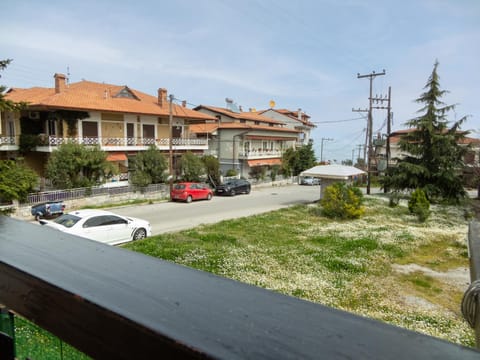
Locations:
(179, 187)
(67, 220)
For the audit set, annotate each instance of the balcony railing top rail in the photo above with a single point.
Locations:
(112, 303)
(127, 141)
(7, 140)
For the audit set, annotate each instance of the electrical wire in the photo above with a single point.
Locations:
(337, 121)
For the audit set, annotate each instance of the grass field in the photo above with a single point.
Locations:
(385, 265)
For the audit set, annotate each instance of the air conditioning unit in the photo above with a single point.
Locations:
(34, 115)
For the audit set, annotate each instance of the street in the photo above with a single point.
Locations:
(173, 216)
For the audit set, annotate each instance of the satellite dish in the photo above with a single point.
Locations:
(272, 104)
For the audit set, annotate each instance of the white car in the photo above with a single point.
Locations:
(308, 180)
(102, 226)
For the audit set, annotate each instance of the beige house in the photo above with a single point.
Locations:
(121, 120)
(297, 120)
(245, 140)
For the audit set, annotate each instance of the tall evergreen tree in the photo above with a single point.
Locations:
(433, 154)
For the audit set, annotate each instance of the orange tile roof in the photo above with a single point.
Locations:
(244, 115)
(210, 128)
(93, 96)
(396, 136)
(256, 127)
(203, 128)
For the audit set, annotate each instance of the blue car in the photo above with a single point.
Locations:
(47, 209)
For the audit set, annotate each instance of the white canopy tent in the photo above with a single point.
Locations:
(329, 174)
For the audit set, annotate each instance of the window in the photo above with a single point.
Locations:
(148, 131)
(97, 221)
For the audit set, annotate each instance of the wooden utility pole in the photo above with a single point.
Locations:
(170, 140)
(366, 136)
(371, 76)
(380, 100)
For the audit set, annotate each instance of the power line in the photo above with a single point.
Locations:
(336, 121)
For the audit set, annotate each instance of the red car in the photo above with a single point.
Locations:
(188, 191)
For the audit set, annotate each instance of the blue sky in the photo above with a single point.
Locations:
(302, 54)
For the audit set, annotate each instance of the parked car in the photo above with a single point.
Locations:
(233, 187)
(309, 180)
(188, 191)
(100, 225)
(47, 209)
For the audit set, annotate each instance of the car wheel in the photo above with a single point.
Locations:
(248, 191)
(232, 192)
(37, 217)
(189, 199)
(139, 234)
(209, 196)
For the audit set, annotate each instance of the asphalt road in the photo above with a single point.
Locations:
(173, 216)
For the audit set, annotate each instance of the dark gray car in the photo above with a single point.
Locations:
(233, 187)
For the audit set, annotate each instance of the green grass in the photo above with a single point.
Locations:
(33, 342)
(345, 264)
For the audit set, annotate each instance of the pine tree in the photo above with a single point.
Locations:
(434, 155)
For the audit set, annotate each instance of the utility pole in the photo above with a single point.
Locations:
(380, 100)
(371, 76)
(366, 136)
(359, 151)
(321, 148)
(170, 140)
(389, 124)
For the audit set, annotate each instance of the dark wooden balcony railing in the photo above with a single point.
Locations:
(112, 303)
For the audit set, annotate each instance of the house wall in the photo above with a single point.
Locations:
(291, 124)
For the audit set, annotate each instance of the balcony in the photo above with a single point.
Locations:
(8, 143)
(127, 143)
(259, 154)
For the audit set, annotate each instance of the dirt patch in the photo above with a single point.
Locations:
(456, 279)
(459, 277)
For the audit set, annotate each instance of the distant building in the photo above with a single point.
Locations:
(245, 140)
(471, 158)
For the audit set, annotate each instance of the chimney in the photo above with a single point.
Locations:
(299, 114)
(184, 103)
(162, 97)
(60, 83)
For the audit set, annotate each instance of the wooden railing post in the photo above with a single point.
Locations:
(471, 298)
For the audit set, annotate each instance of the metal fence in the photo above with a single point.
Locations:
(71, 194)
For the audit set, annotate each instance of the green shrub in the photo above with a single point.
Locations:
(231, 172)
(419, 205)
(342, 201)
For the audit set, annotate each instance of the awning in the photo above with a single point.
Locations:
(263, 162)
(116, 157)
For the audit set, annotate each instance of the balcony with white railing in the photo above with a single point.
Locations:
(126, 143)
(259, 154)
(8, 143)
